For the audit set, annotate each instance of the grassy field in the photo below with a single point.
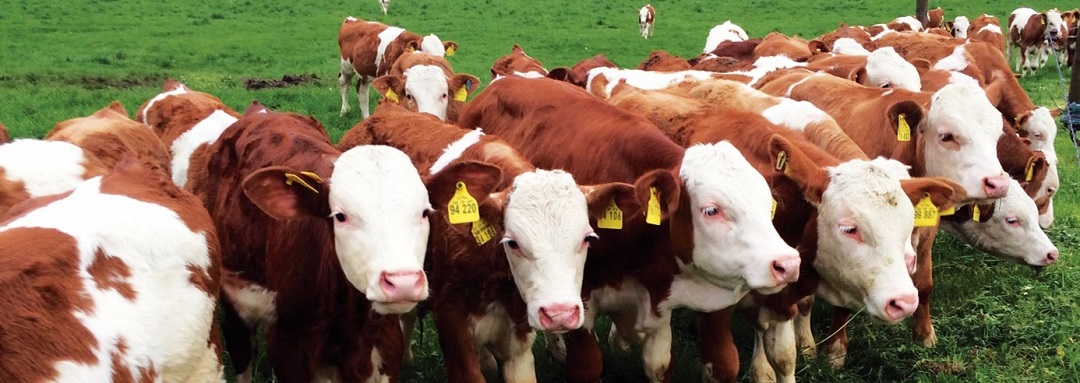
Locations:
(997, 322)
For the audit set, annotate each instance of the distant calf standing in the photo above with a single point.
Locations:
(370, 48)
(646, 15)
(385, 5)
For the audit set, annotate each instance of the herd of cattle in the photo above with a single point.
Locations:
(760, 175)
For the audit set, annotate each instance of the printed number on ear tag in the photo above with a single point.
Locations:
(926, 214)
(652, 215)
(482, 232)
(463, 207)
(903, 130)
(612, 218)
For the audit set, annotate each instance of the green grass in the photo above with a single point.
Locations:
(997, 322)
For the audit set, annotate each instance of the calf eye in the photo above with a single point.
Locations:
(340, 217)
(512, 244)
(710, 211)
(591, 239)
(426, 213)
(947, 137)
(849, 230)
(1012, 221)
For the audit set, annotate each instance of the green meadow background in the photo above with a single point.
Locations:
(996, 321)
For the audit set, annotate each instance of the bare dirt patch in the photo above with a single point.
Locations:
(285, 81)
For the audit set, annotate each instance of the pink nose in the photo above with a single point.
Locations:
(995, 187)
(560, 317)
(1051, 257)
(786, 269)
(909, 260)
(901, 306)
(403, 286)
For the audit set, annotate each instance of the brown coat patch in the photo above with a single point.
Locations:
(110, 272)
(109, 135)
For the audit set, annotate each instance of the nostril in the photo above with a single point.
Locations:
(1052, 256)
(779, 268)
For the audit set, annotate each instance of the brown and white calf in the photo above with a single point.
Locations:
(489, 293)
(1029, 33)
(958, 27)
(114, 281)
(109, 135)
(987, 29)
(883, 68)
(935, 18)
(858, 253)
(188, 122)
(703, 243)
(646, 20)
(303, 229)
(369, 49)
(385, 5)
(982, 63)
(517, 63)
(425, 83)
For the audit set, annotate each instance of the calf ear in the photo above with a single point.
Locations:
(568, 75)
(1056, 112)
(913, 115)
(117, 107)
(450, 47)
(480, 179)
(796, 166)
(462, 85)
(391, 87)
(993, 92)
(1037, 167)
(922, 65)
(598, 197)
(943, 192)
(1021, 121)
(284, 193)
(668, 189)
(818, 46)
(255, 107)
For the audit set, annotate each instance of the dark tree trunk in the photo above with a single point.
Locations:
(1074, 82)
(921, 7)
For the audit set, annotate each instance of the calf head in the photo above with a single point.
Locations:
(959, 27)
(433, 45)
(886, 69)
(546, 235)
(1054, 26)
(426, 89)
(1044, 196)
(728, 205)
(378, 208)
(959, 141)
(1011, 232)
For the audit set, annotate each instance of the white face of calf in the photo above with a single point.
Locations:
(379, 207)
(546, 238)
(427, 85)
(960, 27)
(960, 141)
(1012, 232)
(886, 69)
(864, 253)
(433, 45)
(735, 243)
(1054, 24)
(1042, 129)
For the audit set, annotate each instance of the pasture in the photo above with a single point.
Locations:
(996, 321)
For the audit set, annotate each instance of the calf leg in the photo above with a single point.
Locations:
(290, 362)
(804, 336)
(780, 349)
(623, 334)
(345, 75)
(719, 357)
(656, 352)
(408, 324)
(923, 330)
(460, 356)
(238, 342)
(519, 366)
(760, 370)
(584, 362)
(836, 345)
(362, 88)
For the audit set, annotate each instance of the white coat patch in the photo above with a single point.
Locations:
(44, 167)
(205, 132)
(794, 115)
(159, 97)
(455, 149)
(386, 37)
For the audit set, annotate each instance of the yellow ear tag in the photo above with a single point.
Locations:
(1030, 172)
(773, 214)
(482, 232)
(781, 161)
(903, 130)
(313, 176)
(463, 207)
(652, 215)
(391, 95)
(450, 51)
(292, 177)
(975, 214)
(926, 214)
(950, 211)
(461, 94)
(612, 218)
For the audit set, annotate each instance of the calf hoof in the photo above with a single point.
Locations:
(615, 341)
(809, 351)
(928, 340)
(488, 364)
(763, 375)
(556, 346)
(837, 355)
